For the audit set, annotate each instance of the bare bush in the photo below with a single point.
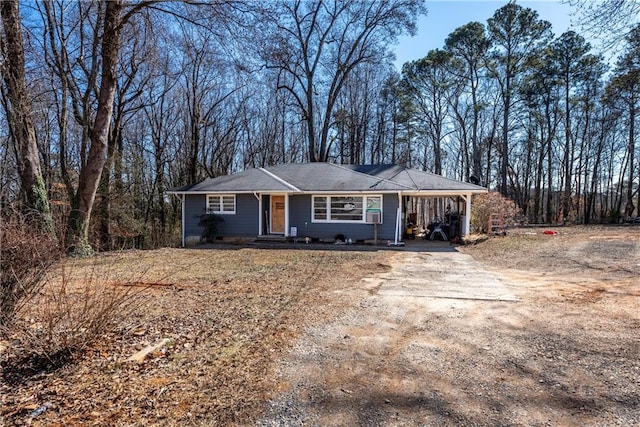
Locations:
(51, 305)
(78, 305)
(484, 205)
(26, 253)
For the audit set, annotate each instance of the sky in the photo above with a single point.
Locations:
(444, 16)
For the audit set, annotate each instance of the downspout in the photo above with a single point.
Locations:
(183, 199)
(259, 197)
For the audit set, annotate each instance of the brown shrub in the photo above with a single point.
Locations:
(484, 205)
(26, 253)
(50, 305)
(76, 307)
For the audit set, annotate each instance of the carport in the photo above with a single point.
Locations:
(450, 194)
(440, 217)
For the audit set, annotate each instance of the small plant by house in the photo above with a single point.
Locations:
(210, 226)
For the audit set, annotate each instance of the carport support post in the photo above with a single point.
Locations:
(467, 215)
(399, 225)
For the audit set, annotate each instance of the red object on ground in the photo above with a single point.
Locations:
(551, 232)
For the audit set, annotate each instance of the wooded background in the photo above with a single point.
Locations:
(108, 104)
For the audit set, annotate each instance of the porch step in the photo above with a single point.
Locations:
(274, 238)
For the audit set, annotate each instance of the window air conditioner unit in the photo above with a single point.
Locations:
(373, 217)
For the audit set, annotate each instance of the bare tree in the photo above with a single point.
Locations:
(624, 87)
(516, 35)
(317, 45)
(428, 84)
(19, 114)
(91, 83)
(569, 56)
(469, 45)
(609, 21)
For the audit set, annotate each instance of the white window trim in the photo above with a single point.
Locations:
(328, 197)
(220, 197)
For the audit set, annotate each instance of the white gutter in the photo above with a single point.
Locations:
(178, 193)
(297, 191)
(438, 193)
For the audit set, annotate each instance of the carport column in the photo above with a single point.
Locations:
(467, 215)
(286, 215)
(399, 225)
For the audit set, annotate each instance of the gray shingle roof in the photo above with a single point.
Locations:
(242, 182)
(329, 177)
(416, 179)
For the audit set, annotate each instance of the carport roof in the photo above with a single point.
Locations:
(329, 177)
(417, 180)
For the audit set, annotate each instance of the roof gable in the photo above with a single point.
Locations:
(242, 182)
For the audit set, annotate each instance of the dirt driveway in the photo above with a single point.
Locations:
(443, 339)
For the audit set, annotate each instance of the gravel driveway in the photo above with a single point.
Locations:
(439, 339)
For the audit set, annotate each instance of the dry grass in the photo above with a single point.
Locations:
(598, 250)
(228, 315)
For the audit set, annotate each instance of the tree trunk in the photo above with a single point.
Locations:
(629, 207)
(308, 114)
(549, 217)
(590, 213)
(474, 132)
(22, 130)
(537, 195)
(105, 187)
(504, 165)
(82, 204)
(568, 156)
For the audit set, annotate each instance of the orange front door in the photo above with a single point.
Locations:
(277, 214)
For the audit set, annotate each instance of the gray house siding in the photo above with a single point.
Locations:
(299, 182)
(300, 216)
(244, 223)
(194, 206)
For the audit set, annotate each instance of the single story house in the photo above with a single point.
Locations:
(316, 200)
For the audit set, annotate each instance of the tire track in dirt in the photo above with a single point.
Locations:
(442, 339)
(377, 364)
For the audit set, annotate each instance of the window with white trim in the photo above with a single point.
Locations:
(225, 204)
(344, 208)
(320, 208)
